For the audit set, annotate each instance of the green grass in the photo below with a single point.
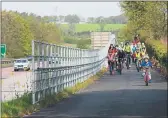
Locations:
(23, 106)
(94, 27)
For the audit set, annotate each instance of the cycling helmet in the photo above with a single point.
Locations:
(116, 45)
(137, 49)
(143, 48)
(126, 43)
(146, 57)
(111, 45)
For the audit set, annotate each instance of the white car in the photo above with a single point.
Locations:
(22, 64)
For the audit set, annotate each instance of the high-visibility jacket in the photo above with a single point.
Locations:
(127, 49)
(142, 53)
(138, 55)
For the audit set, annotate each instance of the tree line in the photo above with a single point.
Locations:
(121, 19)
(19, 29)
(146, 18)
(149, 20)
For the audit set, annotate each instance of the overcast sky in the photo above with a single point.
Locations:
(84, 9)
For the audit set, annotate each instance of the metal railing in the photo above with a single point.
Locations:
(62, 67)
(6, 62)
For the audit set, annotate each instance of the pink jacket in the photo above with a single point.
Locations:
(110, 57)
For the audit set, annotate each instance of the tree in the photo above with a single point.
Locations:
(90, 19)
(16, 35)
(147, 16)
(72, 19)
(18, 29)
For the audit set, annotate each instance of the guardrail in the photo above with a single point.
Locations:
(6, 63)
(76, 65)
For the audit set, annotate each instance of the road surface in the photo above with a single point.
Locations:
(118, 96)
(14, 82)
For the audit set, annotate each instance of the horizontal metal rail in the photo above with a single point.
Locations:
(7, 61)
(55, 67)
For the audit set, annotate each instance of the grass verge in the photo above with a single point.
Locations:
(23, 106)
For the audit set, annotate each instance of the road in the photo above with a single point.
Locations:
(118, 96)
(14, 82)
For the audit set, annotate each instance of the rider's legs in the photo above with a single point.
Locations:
(129, 57)
(121, 60)
(111, 66)
(136, 62)
(116, 64)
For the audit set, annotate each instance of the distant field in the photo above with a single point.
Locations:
(93, 27)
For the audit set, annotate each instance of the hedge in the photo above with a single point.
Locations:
(158, 50)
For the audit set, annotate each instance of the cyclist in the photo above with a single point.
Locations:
(143, 52)
(121, 56)
(122, 45)
(138, 56)
(127, 50)
(116, 58)
(111, 57)
(143, 45)
(111, 50)
(111, 47)
(136, 40)
(147, 63)
(117, 47)
(139, 45)
(133, 52)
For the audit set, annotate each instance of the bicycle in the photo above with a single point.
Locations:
(127, 60)
(116, 63)
(120, 65)
(146, 75)
(138, 62)
(111, 67)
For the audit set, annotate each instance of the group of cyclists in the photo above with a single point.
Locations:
(128, 53)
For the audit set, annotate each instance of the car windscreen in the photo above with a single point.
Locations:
(20, 61)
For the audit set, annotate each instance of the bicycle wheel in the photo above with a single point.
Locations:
(110, 69)
(146, 79)
(146, 83)
(120, 69)
(138, 67)
(127, 64)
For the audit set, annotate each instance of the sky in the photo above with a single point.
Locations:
(83, 9)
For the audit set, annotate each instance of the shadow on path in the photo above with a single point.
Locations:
(116, 103)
